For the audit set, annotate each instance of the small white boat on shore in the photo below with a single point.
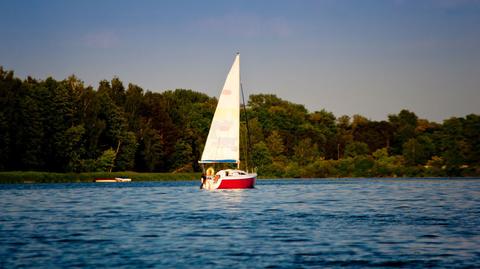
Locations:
(114, 179)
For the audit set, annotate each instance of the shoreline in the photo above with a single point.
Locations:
(34, 177)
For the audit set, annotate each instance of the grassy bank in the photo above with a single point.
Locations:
(48, 177)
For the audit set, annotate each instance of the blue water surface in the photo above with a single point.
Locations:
(315, 223)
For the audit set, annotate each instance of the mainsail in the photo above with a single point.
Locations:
(223, 141)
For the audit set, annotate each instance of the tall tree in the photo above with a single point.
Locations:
(404, 125)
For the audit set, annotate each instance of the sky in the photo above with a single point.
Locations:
(369, 57)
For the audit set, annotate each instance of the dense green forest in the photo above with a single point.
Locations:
(65, 126)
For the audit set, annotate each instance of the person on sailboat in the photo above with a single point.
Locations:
(204, 178)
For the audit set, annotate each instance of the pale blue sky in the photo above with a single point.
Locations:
(371, 57)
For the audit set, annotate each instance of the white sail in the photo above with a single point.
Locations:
(223, 141)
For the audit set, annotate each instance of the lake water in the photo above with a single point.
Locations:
(357, 223)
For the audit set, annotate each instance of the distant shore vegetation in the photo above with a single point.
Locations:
(15, 177)
(67, 127)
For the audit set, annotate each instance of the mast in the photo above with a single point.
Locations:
(246, 125)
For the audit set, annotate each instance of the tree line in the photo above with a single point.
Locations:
(65, 126)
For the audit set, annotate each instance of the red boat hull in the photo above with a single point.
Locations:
(241, 183)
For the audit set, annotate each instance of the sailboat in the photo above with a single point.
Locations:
(223, 140)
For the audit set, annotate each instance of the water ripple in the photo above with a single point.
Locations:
(281, 224)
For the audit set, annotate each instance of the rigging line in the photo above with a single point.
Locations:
(246, 124)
